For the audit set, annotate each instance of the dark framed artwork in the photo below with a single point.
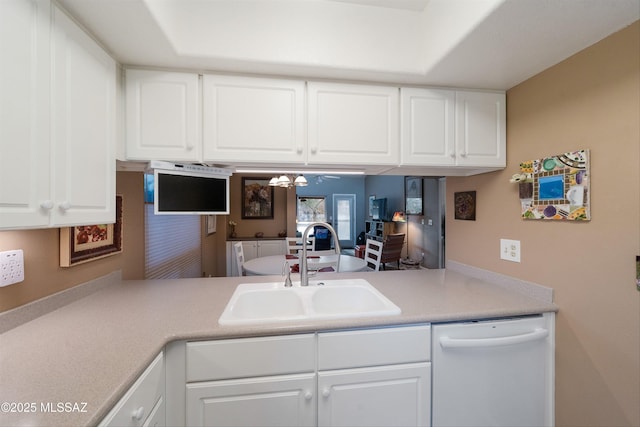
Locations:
(464, 205)
(86, 243)
(257, 198)
(413, 195)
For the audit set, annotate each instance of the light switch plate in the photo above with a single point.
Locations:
(11, 267)
(510, 250)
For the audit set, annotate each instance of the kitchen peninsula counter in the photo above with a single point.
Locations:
(89, 352)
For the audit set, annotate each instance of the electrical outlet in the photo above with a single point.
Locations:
(11, 267)
(510, 250)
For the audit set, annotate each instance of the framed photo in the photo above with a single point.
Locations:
(413, 195)
(465, 205)
(211, 224)
(86, 243)
(257, 198)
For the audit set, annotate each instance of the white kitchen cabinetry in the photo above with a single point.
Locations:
(481, 129)
(83, 127)
(375, 377)
(352, 124)
(443, 128)
(427, 127)
(24, 112)
(253, 249)
(253, 120)
(162, 116)
(143, 404)
(57, 133)
(251, 382)
(371, 377)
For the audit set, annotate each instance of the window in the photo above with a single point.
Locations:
(310, 209)
(172, 242)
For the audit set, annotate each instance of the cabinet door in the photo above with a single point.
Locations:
(480, 129)
(162, 116)
(24, 113)
(427, 127)
(83, 99)
(353, 124)
(271, 247)
(266, 401)
(253, 120)
(397, 395)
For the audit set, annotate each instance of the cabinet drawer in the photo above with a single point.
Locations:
(145, 393)
(250, 357)
(371, 347)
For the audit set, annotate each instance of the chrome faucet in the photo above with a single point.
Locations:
(304, 272)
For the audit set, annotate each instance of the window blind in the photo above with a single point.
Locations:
(172, 245)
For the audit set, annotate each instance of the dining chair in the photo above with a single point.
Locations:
(237, 248)
(392, 249)
(373, 254)
(294, 244)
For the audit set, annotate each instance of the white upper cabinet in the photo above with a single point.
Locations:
(83, 127)
(253, 119)
(162, 116)
(24, 113)
(352, 124)
(57, 141)
(427, 127)
(480, 129)
(444, 128)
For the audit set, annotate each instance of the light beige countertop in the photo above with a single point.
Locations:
(90, 351)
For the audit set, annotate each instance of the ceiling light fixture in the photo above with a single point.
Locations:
(285, 181)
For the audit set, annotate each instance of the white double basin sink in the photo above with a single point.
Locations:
(272, 302)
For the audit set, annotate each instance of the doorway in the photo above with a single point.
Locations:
(344, 219)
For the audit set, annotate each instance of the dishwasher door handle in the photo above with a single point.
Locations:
(538, 333)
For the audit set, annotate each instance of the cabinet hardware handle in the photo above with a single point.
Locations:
(65, 206)
(326, 392)
(138, 414)
(308, 395)
(46, 205)
(463, 154)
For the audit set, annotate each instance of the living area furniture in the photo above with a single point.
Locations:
(392, 249)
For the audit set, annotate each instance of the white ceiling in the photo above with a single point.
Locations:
(490, 44)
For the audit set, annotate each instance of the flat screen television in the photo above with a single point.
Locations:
(190, 189)
(379, 211)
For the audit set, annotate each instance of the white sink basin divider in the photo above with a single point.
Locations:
(271, 302)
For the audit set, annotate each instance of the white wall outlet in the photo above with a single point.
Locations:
(11, 267)
(510, 250)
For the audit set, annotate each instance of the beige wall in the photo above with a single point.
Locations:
(42, 272)
(591, 100)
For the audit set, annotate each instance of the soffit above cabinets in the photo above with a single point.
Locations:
(484, 44)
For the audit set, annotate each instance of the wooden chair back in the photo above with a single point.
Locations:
(392, 249)
(237, 249)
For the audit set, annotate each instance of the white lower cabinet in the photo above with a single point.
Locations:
(396, 395)
(143, 404)
(285, 400)
(369, 377)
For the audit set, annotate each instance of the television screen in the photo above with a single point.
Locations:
(187, 193)
(379, 211)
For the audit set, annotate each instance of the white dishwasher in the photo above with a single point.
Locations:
(494, 373)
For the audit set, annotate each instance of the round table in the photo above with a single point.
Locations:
(272, 264)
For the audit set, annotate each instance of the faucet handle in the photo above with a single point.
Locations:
(287, 270)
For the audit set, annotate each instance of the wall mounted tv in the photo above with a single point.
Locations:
(379, 211)
(185, 189)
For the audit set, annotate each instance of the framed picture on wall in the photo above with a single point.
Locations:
(413, 195)
(86, 243)
(257, 198)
